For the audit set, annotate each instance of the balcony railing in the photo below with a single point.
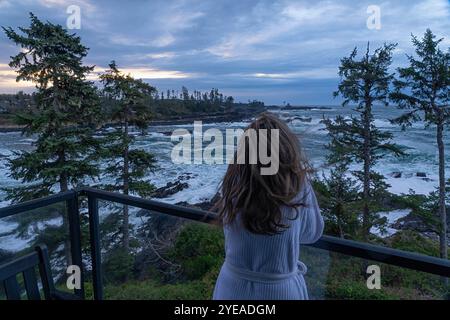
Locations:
(414, 261)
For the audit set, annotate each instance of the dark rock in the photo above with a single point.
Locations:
(421, 174)
(289, 107)
(303, 119)
(185, 176)
(169, 189)
(242, 114)
(410, 222)
(205, 205)
(396, 175)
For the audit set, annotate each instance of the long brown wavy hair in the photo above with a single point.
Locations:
(256, 197)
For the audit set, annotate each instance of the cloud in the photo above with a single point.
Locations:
(161, 55)
(4, 4)
(318, 73)
(163, 41)
(276, 49)
(158, 42)
(83, 4)
(432, 9)
(319, 13)
(282, 23)
(146, 73)
(8, 81)
(8, 76)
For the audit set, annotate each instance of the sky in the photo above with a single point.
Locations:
(278, 52)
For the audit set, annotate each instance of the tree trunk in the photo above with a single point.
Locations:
(340, 214)
(367, 164)
(63, 181)
(442, 191)
(125, 224)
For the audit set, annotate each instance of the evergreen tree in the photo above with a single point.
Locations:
(229, 101)
(66, 103)
(423, 89)
(425, 207)
(364, 82)
(341, 201)
(184, 93)
(127, 166)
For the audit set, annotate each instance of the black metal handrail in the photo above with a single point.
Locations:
(368, 251)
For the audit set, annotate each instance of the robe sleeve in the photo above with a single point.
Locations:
(311, 221)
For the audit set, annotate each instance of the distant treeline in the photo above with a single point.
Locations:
(161, 105)
(11, 103)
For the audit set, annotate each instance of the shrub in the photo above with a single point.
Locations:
(198, 249)
(355, 290)
(117, 266)
(152, 290)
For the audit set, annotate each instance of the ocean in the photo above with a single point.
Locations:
(418, 141)
(203, 179)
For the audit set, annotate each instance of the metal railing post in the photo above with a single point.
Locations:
(94, 232)
(75, 239)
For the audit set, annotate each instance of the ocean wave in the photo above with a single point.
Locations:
(392, 217)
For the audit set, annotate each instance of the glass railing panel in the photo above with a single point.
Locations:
(333, 275)
(166, 257)
(48, 225)
(174, 258)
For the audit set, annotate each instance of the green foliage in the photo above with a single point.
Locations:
(366, 78)
(346, 279)
(423, 90)
(421, 285)
(189, 104)
(198, 248)
(364, 82)
(88, 291)
(128, 167)
(423, 87)
(425, 207)
(62, 119)
(414, 242)
(65, 106)
(131, 96)
(117, 265)
(339, 202)
(355, 290)
(330, 275)
(152, 290)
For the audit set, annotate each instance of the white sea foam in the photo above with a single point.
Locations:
(392, 217)
(204, 179)
(13, 243)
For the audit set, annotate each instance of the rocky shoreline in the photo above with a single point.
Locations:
(205, 118)
(172, 188)
(176, 120)
(410, 222)
(10, 128)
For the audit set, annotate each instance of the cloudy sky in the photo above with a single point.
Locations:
(273, 51)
